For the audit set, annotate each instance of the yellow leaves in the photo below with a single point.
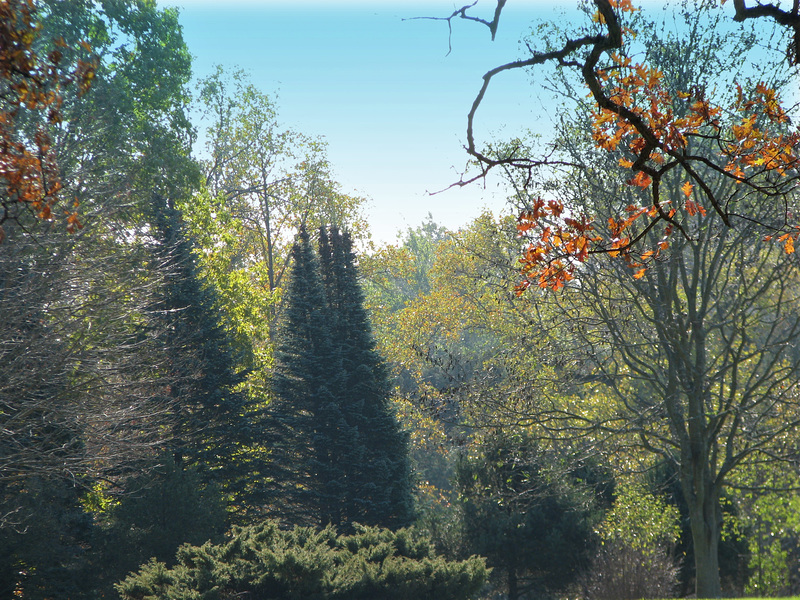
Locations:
(687, 188)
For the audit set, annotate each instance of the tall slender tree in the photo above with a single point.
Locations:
(381, 485)
(339, 456)
(310, 438)
(212, 418)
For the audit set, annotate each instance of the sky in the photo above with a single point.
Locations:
(387, 90)
(382, 89)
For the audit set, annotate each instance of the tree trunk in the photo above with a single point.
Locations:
(705, 515)
(513, 592)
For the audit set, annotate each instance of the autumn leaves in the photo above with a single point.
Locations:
(32, 92)
(654, 129)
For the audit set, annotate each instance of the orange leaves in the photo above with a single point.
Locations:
(557, 243)
(623, 5)
(751, 148)
(641, 179)
(28, 169)
(691, 207)
(788, 240)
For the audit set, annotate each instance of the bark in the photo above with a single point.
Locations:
(705, 516)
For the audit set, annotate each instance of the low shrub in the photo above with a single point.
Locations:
(268, 563)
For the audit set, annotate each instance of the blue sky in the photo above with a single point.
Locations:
(381, 89)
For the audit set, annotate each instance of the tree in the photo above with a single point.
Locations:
(268, 562)
(82, 378)
(382, 485)
(653, 129)
(701, 367)
(312, 443)
(214, 421)
(162, 510)
(530, 519)
(636, 558)
(336, 439)
(273, 180)
(684, 350)
(30, 105)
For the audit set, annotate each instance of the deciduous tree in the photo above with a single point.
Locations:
(654, 127)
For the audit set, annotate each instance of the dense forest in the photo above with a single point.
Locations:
(214, 384)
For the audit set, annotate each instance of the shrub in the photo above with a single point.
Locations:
(305, 563)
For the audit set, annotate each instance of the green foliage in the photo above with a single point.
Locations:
(308, 434)
(641, 521)
(526, 513)
(773, 524)
(43, 541)
(380, 483)
(170, 506)
(338, 454)
(305, 563)
(213, 419)
(247, 304)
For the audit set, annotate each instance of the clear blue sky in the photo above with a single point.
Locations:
(380, 89)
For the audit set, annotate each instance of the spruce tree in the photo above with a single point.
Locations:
(311, 441)
(338, 455)
(211, 424)
(379, 489)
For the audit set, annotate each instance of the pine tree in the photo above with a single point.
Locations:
(339, 456)
(311, 439)
(211, 421)
(380, 485)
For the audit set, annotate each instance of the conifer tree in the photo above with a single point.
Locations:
(211, 424)
(311, 440)
(380, 485)
(338, 455)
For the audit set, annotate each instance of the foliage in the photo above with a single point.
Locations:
(641, 521)
(671, 361)
(271, 180)
(526, 514)
(382, 477)
(636, 558)
(44, 541)
(32, 90)
(652, 126)
(213, 422)
(160, 511)
(338, 452)
(268, 562)
(247, 304)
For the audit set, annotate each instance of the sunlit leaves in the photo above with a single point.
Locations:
(655, 126)
(33, 84)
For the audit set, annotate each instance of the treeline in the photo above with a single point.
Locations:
(206, 392)
(174, 359)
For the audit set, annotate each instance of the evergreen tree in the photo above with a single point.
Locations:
(338, 455)
(270, 563)
(311, 440)
(380, 486)
(211, 421)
